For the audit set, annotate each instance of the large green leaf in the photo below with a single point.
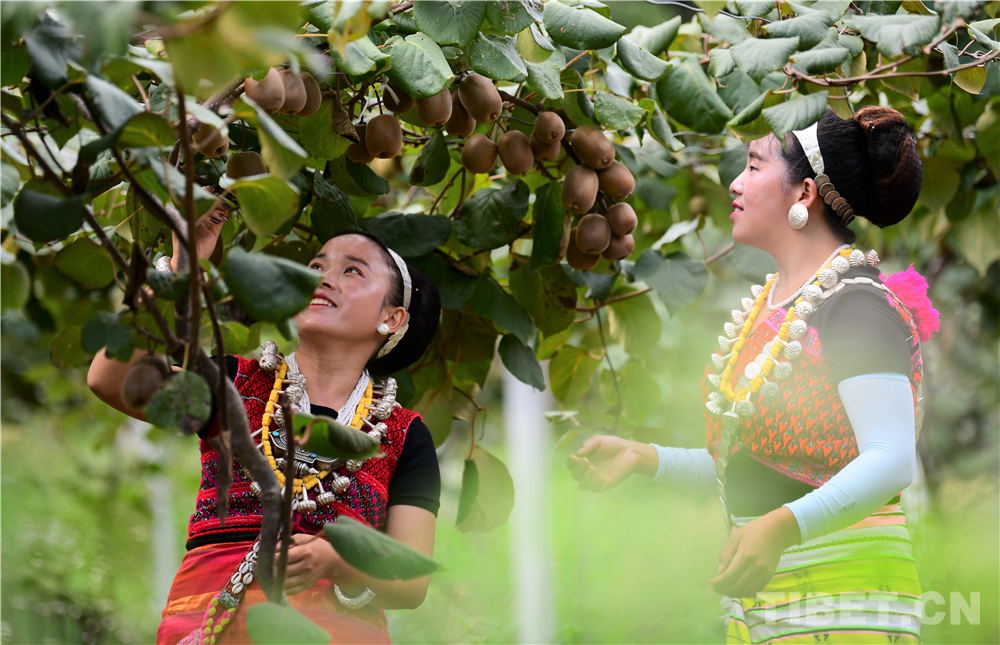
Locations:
(496, 57)
(433, 163)
(720, 62)
(51, 46)
(521, 362)
(330, 438)
(147, 129)
(635, 324)
(570, 373)
(333, 211)
(758, 57)
(687, 95)
(818, 61)
(661, 131)
(105, 330)
(454, 287)
(640, 394)
(640, 63)
(548, 295)
(656, 40)
(86, 263)
(513, 16)
(810, 28)
(758, 8)
(14, 65)
(366, 178)
(266, 203)
(43, 218)
(183, 403)
(410, 235)
(795, 114)
(896, 35)
(549, 226)
(580, 28)
(491, 217)
(544, 78)
(418, 65)
(268, 287)
(533, 46)
(490, 301)
(15, 285)
(360, 58)
(724, 29)
(677, 278)
(450, 21)
(319, 135)
(66, 349)
(271, 624)
(749, 124)
(435, 409)
(283, 156)
(10, 182)
(375, 553)
(490, 504)
(113, 106)
(616, 113)
(939, 184)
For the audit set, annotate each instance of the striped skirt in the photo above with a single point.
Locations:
(856, 585)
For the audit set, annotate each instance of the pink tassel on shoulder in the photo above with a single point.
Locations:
(911, 288)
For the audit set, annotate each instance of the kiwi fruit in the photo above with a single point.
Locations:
(383, 136)
(314, 97)
(295, 92)
(145, 378)
(544, 151)
(622, 219)
(549, 127)
(358, 152)
(403, 102)
(210, 141)
(593, 234)
(592, 147)
(697, 205)
(579, 189)
(481, 100)
(515, 152)
(460, 124)
(434, 110)
(479, 154)
(620, 248)
(268, 93)
(576, 258)
(245, 164)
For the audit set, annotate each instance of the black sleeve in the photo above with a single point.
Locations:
(861, 333)
(232, 366)
(417, 480)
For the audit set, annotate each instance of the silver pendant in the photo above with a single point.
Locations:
(713, 407)
(730, 330)
(340, 483)
(812, 294)
(803, 310)
(840, 264)
(714, 379)
(715, 396)
(747, 304)
(828, 277)
(793, 350)
(857, 258)
(723, 344)
(769, 390)
(769, 277)
(325, 499)
(730, 420)
(738, 318)
(744, 408)
(782, 371)
(797, 329)
(871, 259)
(307, 506)
(270, 357)
(353, 465)
(756, 290)
(718, 362)
(751, 370)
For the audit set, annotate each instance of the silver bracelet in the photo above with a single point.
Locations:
(354, 603)
(163, 264)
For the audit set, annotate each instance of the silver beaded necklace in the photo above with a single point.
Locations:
(805, 284)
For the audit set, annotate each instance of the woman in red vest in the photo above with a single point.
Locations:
(811, 397)
(371, 316)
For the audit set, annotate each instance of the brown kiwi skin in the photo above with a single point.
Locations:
(244, 164)
(622, 219)
(383, 136)
(434, 110)
(616, 181)
(268, 93)
(544, 151)
(549, 127)
(481, 99)
(697, 205)
(620, 248)
(210, 141)
(295, 92)
(146, 376)
(404, 104)
(593, 234)
(515, 152)
(358, 152)
(479, 154)
(579, 189)
(576, 258)
(592, 147)
(314, 96)
(461, 124)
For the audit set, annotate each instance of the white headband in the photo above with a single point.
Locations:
(407, 294)
(810, 145)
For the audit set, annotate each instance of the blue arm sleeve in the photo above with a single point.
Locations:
(690, 469)
(880, 408)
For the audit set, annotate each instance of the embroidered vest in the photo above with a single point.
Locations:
(365, 500)
(804, 433)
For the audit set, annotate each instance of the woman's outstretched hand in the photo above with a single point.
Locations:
(207, 228)
(604, 461)
(750, 557)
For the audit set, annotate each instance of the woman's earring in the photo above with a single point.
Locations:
(798, 215)
(383, 329)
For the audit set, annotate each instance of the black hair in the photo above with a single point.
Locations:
(424, 310)
(871, 161)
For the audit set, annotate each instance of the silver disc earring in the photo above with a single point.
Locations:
(383, 329)
(798, 215)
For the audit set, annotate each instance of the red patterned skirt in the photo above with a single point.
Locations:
(205, 571)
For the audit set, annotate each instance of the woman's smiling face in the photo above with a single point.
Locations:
(762, 201)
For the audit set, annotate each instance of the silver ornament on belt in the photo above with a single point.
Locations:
(752, 370)
(715, 396)
(353, 465)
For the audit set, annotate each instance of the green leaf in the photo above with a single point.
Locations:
(818, 61)
(491, 217)
(282, 155)
(758, 57)
(375, 553)
(410, 235)
(724, 29)
(549, 227)
(318, 135)
(89, 265)
(732, 162)
(677, 278)
(433, 163)
(656, 40)
(616, 113)
(450, 21)
(687, 95)
(366, 178)
(333, 439)
(570, 373)
(470, 488)
(896, 35)
(268, 287)
(436, 412)
(266, 203)
(167, 284)
(640, 63)
(490, 301)
(544, 78)
(15, 285)
(580, 28)
(147, 129)
(758, 8)
(114, 107)
(810, 28)
(51, 46)
(513, 16)
(660, 129)
(634, 323)
(640, 394)
(44, 218)
(493, 499)
(419, 66)
(183, 403)
(496, 57)
(940, 183)
(333, 212)
(548, 295)
(66, 349)
(14, 66)
(454, 287)
(795, 114)
(360, 58)
(10, 182)
(720, 62)
(521, 362)
(750, 116)
(271, 624)
(533, 46)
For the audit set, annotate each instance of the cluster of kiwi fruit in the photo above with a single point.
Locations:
(144, 379)
(382, 136)
(596, 235)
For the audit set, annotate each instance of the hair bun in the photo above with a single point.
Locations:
(898, 171)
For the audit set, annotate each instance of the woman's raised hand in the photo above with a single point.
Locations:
(604, 461)
(207, 228)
